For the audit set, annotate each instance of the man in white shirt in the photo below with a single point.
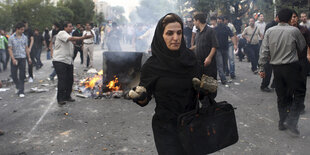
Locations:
(261, 25)
(63, 62)
(88, 46)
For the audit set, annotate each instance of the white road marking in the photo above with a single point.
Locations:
(41, 118)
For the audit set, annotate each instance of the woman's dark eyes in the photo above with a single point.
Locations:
(169, 33)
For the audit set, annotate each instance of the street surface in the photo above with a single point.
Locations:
(36, 125)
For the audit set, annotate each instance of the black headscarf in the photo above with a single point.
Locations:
(167, 63)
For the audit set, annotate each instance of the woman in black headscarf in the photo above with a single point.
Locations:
(167, 75)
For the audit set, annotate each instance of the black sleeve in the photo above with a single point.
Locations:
(214, 39)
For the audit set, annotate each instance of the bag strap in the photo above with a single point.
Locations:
(252, 35)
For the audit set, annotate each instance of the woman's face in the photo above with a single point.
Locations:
(173, 36)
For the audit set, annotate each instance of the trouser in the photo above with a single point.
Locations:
(88, 49)
(65, 80)
(220, 54)
(38, 57)
(304, 65)
(166, 137)
(231, 60)
(290, 89)
(21, 67)
(53, 74)
(76, 50)
(268, 72)
(3, 58)
(253, 54)
(33, 60)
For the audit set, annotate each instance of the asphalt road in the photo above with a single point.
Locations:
(36, 125)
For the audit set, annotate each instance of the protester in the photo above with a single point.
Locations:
(78, 32)
(55, 31)
(38, 42)
(113, 39)
(3, 43)
(19, 51)
(205, 48)
(281, 46)
(29, 34)
(88, 46)
(188, 32)
(302, 57)
(261, 25)
(231, 54)
(267, 67)
(238, 24)
(63, 62)
(222, 34)
(167, 75)
(252, 34)
(304, 20)
(47, 39)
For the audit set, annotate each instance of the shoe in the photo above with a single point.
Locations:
(30, 80)
(233, 76)
(281, 127)
(70, 99)
(1, 133)
(16, 91)
(21, 95)
(293, 131)
(255, 72)
(266, 89)
(224, 82)
(61, 102)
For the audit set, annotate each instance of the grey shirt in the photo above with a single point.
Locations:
(63, 51)
(280, 45)
(18, 45)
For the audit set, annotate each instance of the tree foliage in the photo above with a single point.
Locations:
(40, 13)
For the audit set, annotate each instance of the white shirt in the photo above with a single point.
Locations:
(306, 24)
(63, 51)
(89, 40)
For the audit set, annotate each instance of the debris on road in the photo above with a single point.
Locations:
(81, 96)
(92, 71)
(37, 90)
(45, 84)
(4, 89)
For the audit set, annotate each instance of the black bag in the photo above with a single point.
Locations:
(207, 130)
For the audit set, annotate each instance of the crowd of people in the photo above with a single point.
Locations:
(179, 53)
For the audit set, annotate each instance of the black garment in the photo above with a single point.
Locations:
(222, 34)
(113, 40)
(253, 55)
(290, 91)
(168, 76)
(267, 67)
(206, 40)
(21, 67)
(237, 24)
(36, 50)
(78, 45)
(29, 33)
(187, 32)
(65, 80)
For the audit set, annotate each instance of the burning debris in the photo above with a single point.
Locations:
(94, 87)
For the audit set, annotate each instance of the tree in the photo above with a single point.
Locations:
(5, 16)
(99, 18)
(83, 10)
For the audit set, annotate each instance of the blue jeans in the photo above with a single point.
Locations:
(220, 64)
(231, 60)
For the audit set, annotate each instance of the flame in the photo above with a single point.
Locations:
(114, 85)
(91, 82)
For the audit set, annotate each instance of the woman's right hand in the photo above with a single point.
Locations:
(138, 94)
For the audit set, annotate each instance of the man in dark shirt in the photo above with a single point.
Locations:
(188, 32)
(38, 42)
(78, 44)
(268, 68)
(205, 48)
(222, 34)
(238, 24)
(302, 56)
(29, 34)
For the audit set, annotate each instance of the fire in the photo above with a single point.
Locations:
(91, 82)
(113, 85)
